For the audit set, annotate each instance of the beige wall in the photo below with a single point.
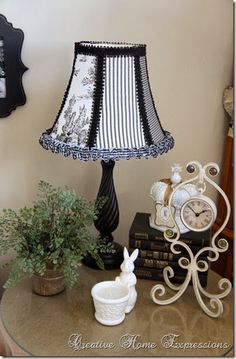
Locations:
(190, 60)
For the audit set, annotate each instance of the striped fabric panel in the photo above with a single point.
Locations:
(120, 125)
(152, 116)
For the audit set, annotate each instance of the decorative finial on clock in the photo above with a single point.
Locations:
(176, 178)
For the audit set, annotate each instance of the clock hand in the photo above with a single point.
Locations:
(196, 214)
(203, 211)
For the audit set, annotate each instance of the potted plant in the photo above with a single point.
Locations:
(50, 239)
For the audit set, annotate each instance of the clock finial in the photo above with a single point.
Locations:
(176, 178)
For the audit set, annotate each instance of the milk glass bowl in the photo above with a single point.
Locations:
(110, 301)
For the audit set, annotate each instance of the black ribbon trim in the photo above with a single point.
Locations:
(93, 48)
(97, 101)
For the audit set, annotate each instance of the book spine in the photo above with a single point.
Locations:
(157, 275)
(201, 242)
(158, 264)
(162, 246)
(166, 256)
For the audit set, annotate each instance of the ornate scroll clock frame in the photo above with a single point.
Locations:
(193, 264)
(11, 68)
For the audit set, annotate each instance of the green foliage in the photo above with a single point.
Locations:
(55, 231)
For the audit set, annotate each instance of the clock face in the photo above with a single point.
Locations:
(198, 214)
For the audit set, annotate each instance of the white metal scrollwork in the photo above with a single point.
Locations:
(194, 263)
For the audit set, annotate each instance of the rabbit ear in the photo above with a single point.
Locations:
(125, 253)
(134, 255)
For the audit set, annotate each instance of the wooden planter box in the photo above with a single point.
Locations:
(51, 283)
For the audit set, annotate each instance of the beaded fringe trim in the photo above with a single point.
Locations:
(86, 153)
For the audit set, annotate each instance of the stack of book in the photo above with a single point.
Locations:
(155, 254)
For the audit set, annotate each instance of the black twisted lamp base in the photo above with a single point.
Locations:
(108, 219)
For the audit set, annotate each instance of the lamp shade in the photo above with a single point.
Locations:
(108, 110)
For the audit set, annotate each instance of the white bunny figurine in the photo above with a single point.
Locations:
(128, 278)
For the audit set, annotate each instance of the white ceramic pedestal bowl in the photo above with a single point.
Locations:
(110, 301)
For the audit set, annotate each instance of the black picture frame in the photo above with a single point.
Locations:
(14, 95)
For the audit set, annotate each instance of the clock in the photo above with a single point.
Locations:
(167, 217)
(198, 213)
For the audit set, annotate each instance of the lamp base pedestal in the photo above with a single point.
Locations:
(110, 260)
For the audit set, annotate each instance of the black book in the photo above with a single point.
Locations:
(159, 246)
(141, 230)
(166, 256)
(157, 274)
(159, 264)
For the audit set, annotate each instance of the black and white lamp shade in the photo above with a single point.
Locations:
(108, 111)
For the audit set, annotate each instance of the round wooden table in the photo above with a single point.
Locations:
(64, 325)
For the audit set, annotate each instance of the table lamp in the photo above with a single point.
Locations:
(108, 113)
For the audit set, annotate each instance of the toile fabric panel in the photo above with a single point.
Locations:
(108, 111)
(72, 125)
